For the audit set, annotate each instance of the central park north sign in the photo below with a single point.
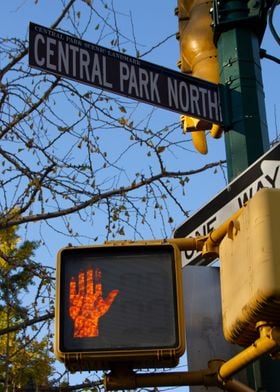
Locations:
(67, 56)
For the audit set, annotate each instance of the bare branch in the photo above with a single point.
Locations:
(106, 195)
(20, 56)
(32, 108)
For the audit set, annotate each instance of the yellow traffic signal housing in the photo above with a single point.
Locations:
(198, 56)
(250, 269)
(119, 305)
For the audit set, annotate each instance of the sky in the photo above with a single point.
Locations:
(150, 22)
(150, 26)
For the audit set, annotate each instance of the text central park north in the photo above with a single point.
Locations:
(97, 66)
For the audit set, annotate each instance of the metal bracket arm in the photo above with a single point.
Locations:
(206, 377)
(218, 374)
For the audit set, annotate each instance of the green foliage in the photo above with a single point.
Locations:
(33, 364)
(15, 275)
(23, 357)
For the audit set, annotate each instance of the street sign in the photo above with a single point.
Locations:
(264, 173)
(85, 62)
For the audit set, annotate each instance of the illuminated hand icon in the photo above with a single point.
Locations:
(87, 304)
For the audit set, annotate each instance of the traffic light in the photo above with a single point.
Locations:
(119, 305)
(198, 56)
(250, 269)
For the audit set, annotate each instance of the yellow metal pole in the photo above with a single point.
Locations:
(268, 342)
(206, 244)
(230, 385)
(191, 243)
(211, 245)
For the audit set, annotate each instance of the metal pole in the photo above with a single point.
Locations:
(246, 139)
(242, 89)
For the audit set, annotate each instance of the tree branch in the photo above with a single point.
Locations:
(27, 323)
(23, 115)
(97, 198)
(25, 51)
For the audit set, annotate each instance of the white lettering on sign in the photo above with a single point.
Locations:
(96, 70)
(194, 98)
(51, 42)
(143, 83)
(84, 64)
(270, 178)
(203, 95)
(75, 51)
(188, 97)
(63, 58)
(92, 64)
(213, 105)
(139, 82)
(40, 61)
(71, 60)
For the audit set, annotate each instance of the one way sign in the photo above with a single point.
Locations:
(264, 173)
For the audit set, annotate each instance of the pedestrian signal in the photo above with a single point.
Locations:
(119, 304)
(250, 269)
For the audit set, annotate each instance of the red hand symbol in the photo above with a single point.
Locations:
(87, 304)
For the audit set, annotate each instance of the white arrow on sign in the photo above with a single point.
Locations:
(266, 174)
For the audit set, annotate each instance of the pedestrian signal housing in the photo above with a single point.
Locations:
(119, 304)
(250, 269)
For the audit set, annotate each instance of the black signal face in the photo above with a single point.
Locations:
(116, 300)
